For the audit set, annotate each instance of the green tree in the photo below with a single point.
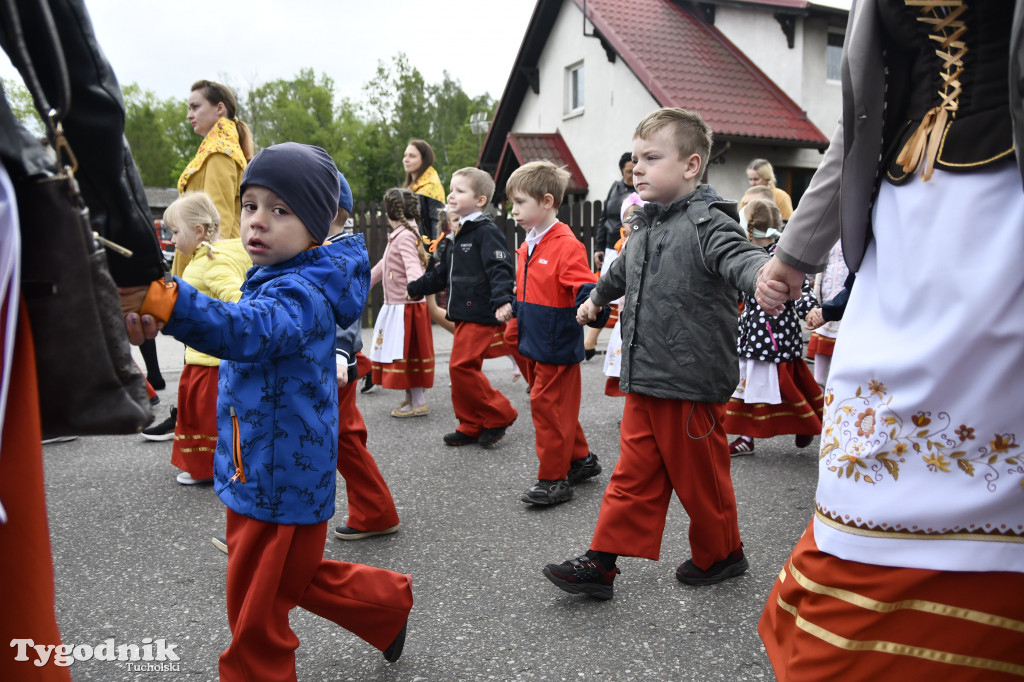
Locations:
(296, 110)
(22, 106)
(160, 138)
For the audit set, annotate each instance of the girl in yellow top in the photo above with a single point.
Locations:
(760, 173)
(423, 181)
(217, 268)
(222, 156)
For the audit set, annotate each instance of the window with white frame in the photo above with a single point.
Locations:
(574, 89)
(834, 55)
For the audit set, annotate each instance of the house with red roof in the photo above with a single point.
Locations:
(763, 73)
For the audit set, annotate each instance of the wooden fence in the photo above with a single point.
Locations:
(369, 220)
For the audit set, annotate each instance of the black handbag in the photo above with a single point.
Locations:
(88, 382)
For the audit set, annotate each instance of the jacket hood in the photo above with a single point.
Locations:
(705, 193)
(333, 268)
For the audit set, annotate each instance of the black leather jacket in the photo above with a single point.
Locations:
(94, 127)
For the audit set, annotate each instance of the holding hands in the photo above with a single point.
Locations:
(587, 312)
(814, 319)
(776, 283)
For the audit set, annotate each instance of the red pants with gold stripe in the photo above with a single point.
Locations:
(26, 564)
(195, 433)
(370, 505)
(272, 568)
(555, 394)
(799, 413)
(669, 445)
(477, 404)
(830, 619)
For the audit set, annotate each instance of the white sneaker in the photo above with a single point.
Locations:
(59, 439)
(185, 478)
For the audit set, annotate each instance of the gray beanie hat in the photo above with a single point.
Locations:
(305, 178)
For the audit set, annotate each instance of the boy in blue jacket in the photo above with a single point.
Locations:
(552, 279)
(477, 270)
(277, 416)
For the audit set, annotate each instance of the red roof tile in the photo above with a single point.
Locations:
(687, 63)
(527, 147)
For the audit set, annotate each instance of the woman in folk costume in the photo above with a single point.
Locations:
(823, 339)
(777, 394)
(402, 352)
(422, 180)
(913, 564)
(221, 159)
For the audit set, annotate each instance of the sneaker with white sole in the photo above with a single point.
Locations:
(220, 542)
(185, 478)
(164, 430)
(741, 446)
(344, 532)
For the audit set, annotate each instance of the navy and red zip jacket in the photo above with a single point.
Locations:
(550, 284)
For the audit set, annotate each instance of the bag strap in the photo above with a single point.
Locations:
(52, 116)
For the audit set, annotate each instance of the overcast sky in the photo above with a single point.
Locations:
(166, 46)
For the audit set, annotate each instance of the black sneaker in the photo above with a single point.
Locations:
(164, 430)
(368, 384)
(394, 649)
(548, 492)
(457, 438)
(490, 437)
(803, 441)
(344, 532)
(582, 575)
(220, 542)
(582, 469)
(733, 565)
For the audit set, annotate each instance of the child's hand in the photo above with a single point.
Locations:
(342, 375)
(814, 319)
(776, 283)
(504, 313)
(587, 312)
(141, 328)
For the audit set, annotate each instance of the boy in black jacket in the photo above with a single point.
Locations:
(477, 270)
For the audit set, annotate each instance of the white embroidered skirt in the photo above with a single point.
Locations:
(921, 463)
(389, 334)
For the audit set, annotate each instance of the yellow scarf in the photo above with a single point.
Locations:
(429, 185)
(222, 139)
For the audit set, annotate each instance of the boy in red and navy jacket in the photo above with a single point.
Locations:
(552, 278)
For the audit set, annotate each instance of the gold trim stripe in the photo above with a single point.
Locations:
(193, 437)
(915, 535)
(196, 449)
(922, 605)
(897, 649)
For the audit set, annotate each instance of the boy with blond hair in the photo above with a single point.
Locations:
(553, 277)
(477, 271)
(679, 272)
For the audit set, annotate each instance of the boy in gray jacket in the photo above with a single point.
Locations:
(679, 272)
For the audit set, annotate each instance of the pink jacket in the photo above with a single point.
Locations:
(399, 266)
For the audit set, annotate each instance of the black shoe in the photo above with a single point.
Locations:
(582, 469)
(730, 567)
(548, 492)
(367, 384)
(803, 441)
(156, 381)
(220, 542)
(394, 649)
(154, 401)
(164, 430)
(344, 532)
(457, 438)
(588, 353)
(582, 575)
(490, 437)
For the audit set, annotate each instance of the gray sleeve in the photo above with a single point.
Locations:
(728, 252)
(814, 227)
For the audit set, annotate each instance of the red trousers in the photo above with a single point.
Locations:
(26, 564)
(195, 433)
(273, 568)
(477, 404)
(555, 393)
(669, 445)
(370, 505)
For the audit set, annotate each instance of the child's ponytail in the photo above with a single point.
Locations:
(402, 206)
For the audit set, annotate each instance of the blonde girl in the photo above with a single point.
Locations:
(761, 174)
(217, 268)
(402, 353)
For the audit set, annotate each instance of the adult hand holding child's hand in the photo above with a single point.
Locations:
(776, 283)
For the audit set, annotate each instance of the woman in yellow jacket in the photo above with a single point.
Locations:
(222, 156)
(217, 268)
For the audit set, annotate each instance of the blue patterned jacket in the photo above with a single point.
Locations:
(277, 402)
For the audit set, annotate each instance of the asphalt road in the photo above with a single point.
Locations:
(133, 557)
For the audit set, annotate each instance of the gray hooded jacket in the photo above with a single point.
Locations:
(679, 272)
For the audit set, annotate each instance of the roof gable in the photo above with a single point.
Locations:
(687, 63)
(522, 148)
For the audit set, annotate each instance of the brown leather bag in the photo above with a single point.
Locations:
(88, 382)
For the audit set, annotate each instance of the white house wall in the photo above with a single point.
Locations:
(614, 101)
